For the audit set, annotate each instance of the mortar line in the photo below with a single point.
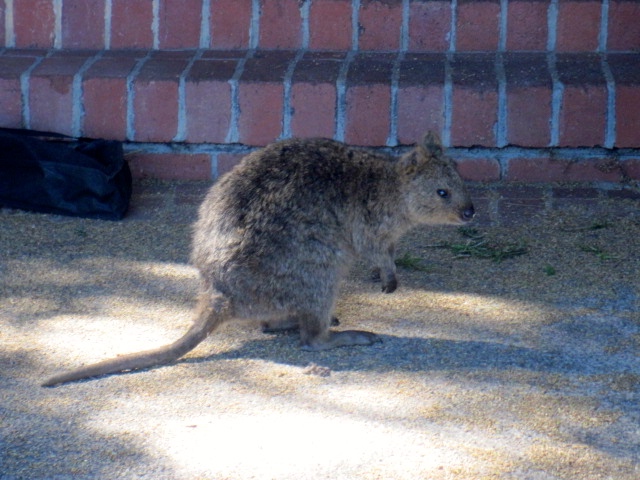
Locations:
(254, 27)
(155, 23)
(305, 7)
(57, 30)
(604, 27)
(453, 29)
(131, 131)
(205, 24)
(447, 92)
(355, 25)
(404, 29)
(9, 31)
(610, 132)
(77, 107)
(556, 100)
(108, 11)
(182, 130)
(233, 134)
(286, 102)
(552, 25)
(392, 140)
(341, 96)
(25, 80)
(502, 33)
(501, 128)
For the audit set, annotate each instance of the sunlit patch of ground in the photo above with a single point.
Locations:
(524, 368)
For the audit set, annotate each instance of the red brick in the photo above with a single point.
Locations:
(583, 116)
(474, 117)
(208, 100)
(527, 25)
(624, 25)
(83, 24)
(314, 96)
(170, 166)
(131, 22)
(519, 204)
(631, 168)
(260, 120)
(330, 25)
(380, 24)
(594, 170)
(51, 93)
(260, 97)
(105, 103)
(546, 169)
(626, 73)
(104, 90)
(429, 26)
(420, 109)
(230, 22)
(280, 24)
(11, 68)
(479, 169)
(313, 110)
(578, 25)
(179, 23)
(156, 97)
(368, 99)
(227, 161)
(475, 101)
(528, 116)
(628, 116)
(367, 116)
(10, 103)
(529, 94)
(420, 96)
(34, 23)
(477, 25)
(584, 100)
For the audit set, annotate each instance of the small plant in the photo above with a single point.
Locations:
(599, 225)
(549, 270)
(596, 225)
(470, 232)
(410, 262)
(598, 252)
(484, 249)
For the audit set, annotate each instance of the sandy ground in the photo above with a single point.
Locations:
(525, 368)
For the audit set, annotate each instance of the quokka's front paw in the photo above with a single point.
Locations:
(390, 284)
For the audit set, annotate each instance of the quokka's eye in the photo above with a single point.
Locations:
(443, 193)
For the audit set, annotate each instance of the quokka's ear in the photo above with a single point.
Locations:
(432, 144)
(429, 148)
(410, 162)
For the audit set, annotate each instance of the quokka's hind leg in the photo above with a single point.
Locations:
(290, 324)
(315, 334)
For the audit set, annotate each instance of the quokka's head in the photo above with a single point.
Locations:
(434, 191)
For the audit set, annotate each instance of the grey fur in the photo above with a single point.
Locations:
(275, 236)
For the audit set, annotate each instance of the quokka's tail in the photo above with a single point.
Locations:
(208, 319)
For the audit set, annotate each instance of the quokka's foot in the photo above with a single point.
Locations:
(345, 338)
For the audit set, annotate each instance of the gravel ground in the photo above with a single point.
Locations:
(510, 368)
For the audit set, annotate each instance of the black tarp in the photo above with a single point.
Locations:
(52, 173)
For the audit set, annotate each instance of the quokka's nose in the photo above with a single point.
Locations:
(468, 213)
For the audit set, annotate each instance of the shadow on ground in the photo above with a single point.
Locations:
(522, 368)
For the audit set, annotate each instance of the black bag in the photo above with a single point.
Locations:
(52, 173)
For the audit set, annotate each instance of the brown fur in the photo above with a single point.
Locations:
(275, 236)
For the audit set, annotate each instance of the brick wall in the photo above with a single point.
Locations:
(521, 90)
